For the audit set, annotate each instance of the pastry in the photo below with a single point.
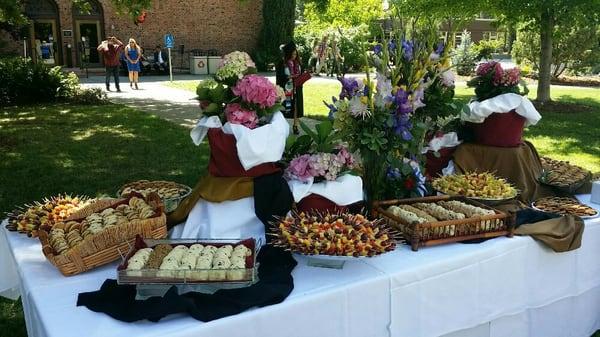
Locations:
(29, 218)
(164, 189)
(157, 256)
(562, 173)
(475, 185)
(333, 234)
(564, 206)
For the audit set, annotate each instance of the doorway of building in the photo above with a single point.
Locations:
(44, 31)
(88, 18)
(88, 33)
(43, 40)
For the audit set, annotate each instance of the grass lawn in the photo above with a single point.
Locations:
(87, 150)
(561, 135)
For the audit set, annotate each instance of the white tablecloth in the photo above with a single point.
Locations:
(502, 287)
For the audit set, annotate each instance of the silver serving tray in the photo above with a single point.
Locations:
(217, 278)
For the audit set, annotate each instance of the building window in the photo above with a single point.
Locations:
(493, 35)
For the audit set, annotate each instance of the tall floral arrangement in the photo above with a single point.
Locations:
(236, 94)
(378, 118)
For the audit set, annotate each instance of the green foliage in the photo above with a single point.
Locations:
(322, 140)
(349, 42)
(464, 56)
(89, 96)
(277, 29)
(485, 48)
(576, 45)
(343, 13)
(456, 13)
(23, 81)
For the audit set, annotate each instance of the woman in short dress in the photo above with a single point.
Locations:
(133, 54)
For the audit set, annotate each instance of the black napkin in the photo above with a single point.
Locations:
(274, 285)
(272, 196)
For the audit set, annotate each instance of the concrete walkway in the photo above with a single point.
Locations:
(176, 105)
(155, 96)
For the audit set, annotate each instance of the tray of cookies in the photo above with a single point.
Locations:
(170, 192)
(564, 206)
(93, 236)
(190, 261)
(563, 175)
(443, 219)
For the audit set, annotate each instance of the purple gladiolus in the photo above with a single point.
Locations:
(408, 49)
(392, 46)
(377, 49)
(332, 108)
(402, 103)
(402, 126)
(440, 48)
(349, 87)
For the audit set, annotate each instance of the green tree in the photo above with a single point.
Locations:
(576, 46)
(544, 16)
(342, 13)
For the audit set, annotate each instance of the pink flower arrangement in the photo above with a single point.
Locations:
(235, 114)
(257, 90)
(500, 77)
(326, 166)
(492, 80)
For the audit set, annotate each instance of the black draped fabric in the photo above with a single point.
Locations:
(272, 196)
(274, 285)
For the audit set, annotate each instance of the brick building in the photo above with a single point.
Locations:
(58, 28)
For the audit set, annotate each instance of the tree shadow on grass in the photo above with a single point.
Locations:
(89, 150)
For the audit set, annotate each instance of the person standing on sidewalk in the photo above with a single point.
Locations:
(133, 54)
(111, 49)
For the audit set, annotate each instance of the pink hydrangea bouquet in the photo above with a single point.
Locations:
(236, 94)
(317, 155)
(492, 80)
(321, 166)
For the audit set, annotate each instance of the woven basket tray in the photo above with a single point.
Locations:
(105, 247)
(435, 233)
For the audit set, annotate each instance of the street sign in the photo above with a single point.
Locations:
(169, 41)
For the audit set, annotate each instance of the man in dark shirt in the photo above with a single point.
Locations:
(161, 59)
(111, 49)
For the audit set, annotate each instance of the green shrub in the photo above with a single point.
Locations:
(464, 57)
(91, 96)
(485, 48)
(348, 40)
(23, 81)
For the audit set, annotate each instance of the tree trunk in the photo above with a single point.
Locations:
(546, 31)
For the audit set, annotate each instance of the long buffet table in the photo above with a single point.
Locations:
(502, 287)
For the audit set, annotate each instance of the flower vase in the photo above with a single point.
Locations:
(374, 168)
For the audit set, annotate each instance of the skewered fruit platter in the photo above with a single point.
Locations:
(475, 185)
(28, 218)
(66, 235)
(333, 234)
(562, 174)
(564, 206)
(170, 192)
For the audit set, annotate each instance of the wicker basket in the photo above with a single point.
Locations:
(106, 246)
(435, 233)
